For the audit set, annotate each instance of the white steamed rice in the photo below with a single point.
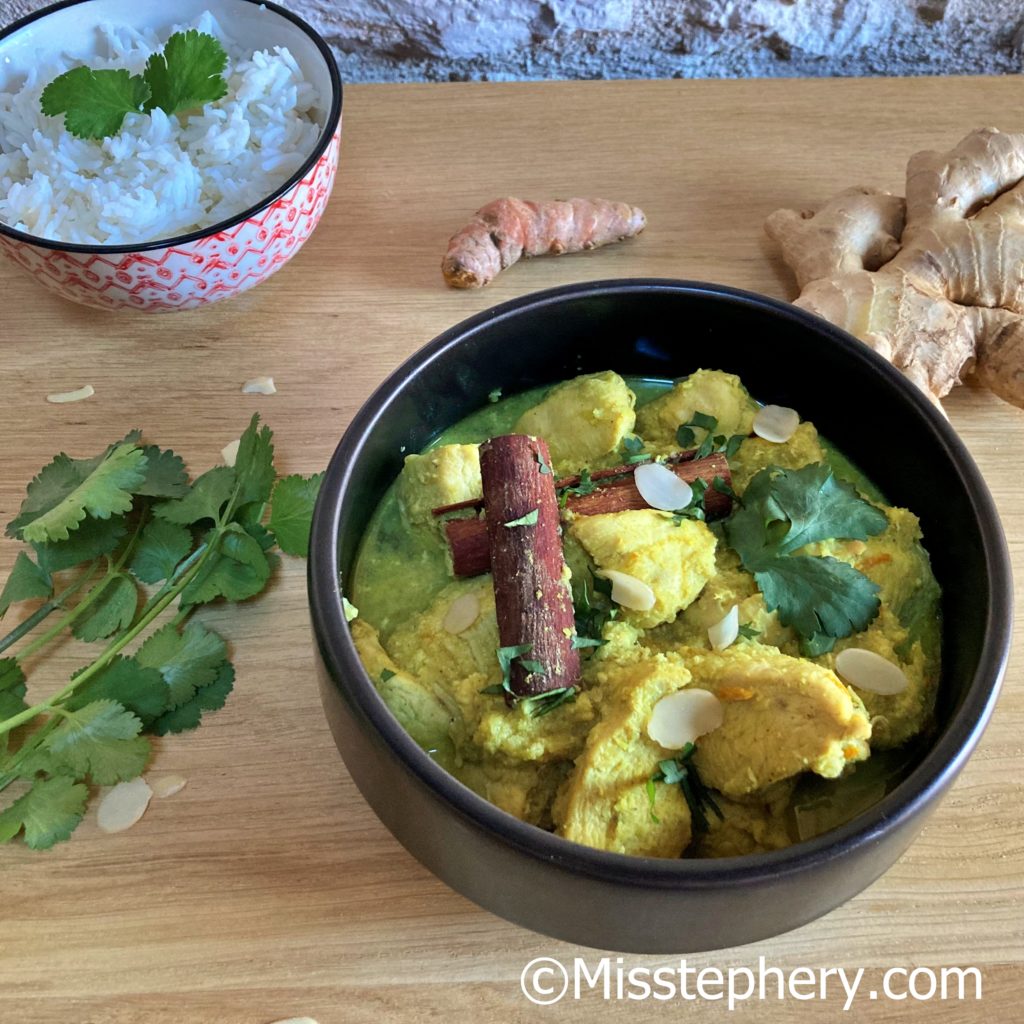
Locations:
(162, 175)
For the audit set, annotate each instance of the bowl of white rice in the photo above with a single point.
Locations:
(170, 210)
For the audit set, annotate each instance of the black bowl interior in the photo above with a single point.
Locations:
(667, 329)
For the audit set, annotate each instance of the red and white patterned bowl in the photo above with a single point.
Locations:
(216, 262)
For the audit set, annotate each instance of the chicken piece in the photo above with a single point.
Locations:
(516, 734)
(713, 392)
(756, 454)
(525, 791)
(604, 803)
(743, 828)
(583, 421)
(441, 476)
(782, 716)
(423, 646)
(418, 709)
(674, 561)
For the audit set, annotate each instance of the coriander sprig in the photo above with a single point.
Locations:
(125, 519)
(186, 74)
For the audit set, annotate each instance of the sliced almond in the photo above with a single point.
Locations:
(681, 717)
(461, 614)
(661, 488)
(259, 386)
(230, 452)
(628, 591)
(776, 423)
(123, 805)
(724, 632)
(60, 397)
(869, 671)
(167, 785)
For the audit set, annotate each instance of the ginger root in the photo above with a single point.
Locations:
(505, 230)
(935, 283)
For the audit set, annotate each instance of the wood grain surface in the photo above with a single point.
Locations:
(267, 888)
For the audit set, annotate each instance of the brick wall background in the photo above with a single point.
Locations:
(443, 40)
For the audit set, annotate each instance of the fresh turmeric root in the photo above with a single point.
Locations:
(505, 230)
(934, 283)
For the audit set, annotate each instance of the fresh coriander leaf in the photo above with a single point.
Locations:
(67, 490)
(25, 582)
(685, 437)
(94, 537)
(493, 689)
(530, 519)
(723, 486)
(748, 632)
(205, 499)
(817, 595)
(187, 73)
(49, 812)
(782, 511)
(139, 688)
(206, 698)
(94, 103)
(100, 740)
(817, 645)
(494, 396)
(291, 512)
(254, 464)
(532, 666)
(732, 446)
(188, 660)
(579, 642)
(816, 505)
(703, 421)
(545, 703)
(165, 474)
(12, 688)
(584, 487)
(545, 469)
(161, 546)
(386, 674)
(238, 570)
(112, 611)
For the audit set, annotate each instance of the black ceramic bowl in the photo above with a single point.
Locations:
(663, 329)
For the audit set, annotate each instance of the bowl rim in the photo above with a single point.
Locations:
(323, 142)
(912, 796)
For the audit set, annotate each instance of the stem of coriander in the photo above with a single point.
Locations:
(47, 609)
(115, 647)
(112, 570)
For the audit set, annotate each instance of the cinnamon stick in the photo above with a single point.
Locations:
(532, 599)
(467, 538)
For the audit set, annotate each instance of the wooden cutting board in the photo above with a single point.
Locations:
(267, 888)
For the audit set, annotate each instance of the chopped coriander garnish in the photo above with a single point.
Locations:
(581, 490)
(494, 396)
(633, 450)
(721, 485)
(545, 469)
(386, 674)
(530, 519)
(748, 632)
(695, 510)
(545, 703)
(681, 770)
(687, 438)
(579, 642)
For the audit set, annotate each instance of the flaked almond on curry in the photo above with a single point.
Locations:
(654, 618)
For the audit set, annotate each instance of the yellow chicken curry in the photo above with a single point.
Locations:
(752, 647)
